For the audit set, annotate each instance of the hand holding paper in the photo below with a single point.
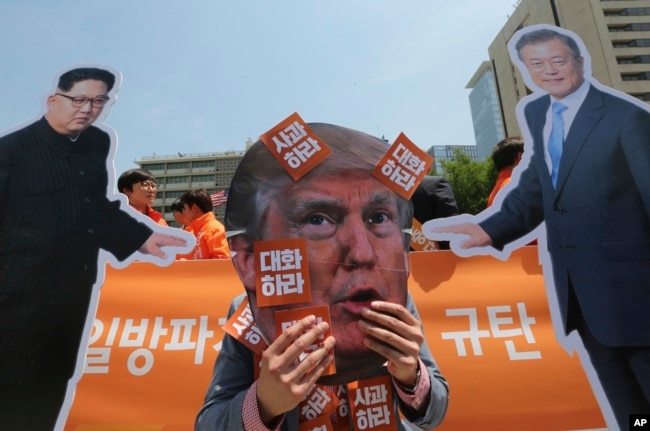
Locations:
(396, 334)
(284, 380)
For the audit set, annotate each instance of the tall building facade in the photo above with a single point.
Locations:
(615, 32)
(485, 109)
(179, 173)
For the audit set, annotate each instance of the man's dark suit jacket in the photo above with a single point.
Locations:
(54, 218)
(598, 219)
(434, 198)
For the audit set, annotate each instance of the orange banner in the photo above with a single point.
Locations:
(158, 332)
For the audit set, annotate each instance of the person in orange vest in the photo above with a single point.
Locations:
(505, 156)
(140, 186)
(177, 212)
(210, 234)
(183, 223)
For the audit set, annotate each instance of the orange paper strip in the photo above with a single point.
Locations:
(281, 272)
(285, 318)
(403, 167)
(295, 146)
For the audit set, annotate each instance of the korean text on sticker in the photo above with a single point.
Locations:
(419, 242)
(319, 402)
(282, 273)
(371, 404)
(403, 167)
(241, 327)
(295, 146)
(287, 318)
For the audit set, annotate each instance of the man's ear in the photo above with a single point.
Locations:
(518, 158)
(244, 259)
(50, 100)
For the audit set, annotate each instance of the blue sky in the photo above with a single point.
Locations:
(205, 75)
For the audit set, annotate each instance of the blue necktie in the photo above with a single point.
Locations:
(556, 139)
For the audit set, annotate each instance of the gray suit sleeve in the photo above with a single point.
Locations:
(231, 379)
(439, 391)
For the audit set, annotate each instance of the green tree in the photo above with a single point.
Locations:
(471, 181)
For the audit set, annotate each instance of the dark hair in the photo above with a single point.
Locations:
(71, 77)
(177, 205)
(505, 152)
(198, 197)
(543, 35)
(260, 179)
(131, 177)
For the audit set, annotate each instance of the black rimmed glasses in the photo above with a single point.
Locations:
(78, 102)
(148, 185)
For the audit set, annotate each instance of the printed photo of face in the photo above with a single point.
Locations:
(355, 251)
(553, 67)
(71, 112)
(353, 228)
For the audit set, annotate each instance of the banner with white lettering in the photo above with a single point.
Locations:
(158, 331)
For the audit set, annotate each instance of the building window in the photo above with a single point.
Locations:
(637, 26)
(635, 43)
(203, 164)
(639, 59)
(178, 165)
(202, 178)
(178, 180)
(174, 194)
(616, 12)
(630, 11)
(643, 76)
(154, 166)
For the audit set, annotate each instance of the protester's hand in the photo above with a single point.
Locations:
(153, 245)
(395, 334)
(476, 236)
(284, 382)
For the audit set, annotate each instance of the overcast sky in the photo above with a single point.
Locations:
(204, 76)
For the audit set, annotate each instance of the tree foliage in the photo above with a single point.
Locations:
(471, 181)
